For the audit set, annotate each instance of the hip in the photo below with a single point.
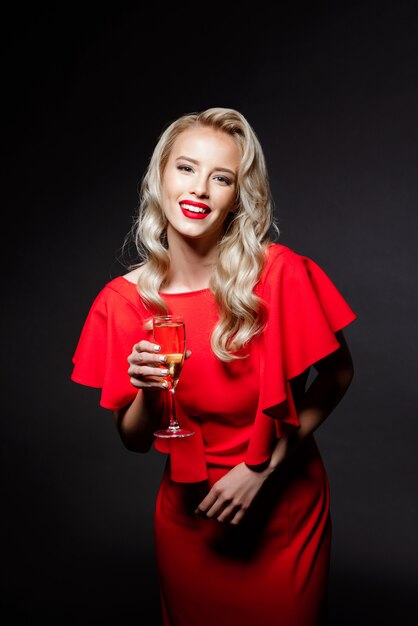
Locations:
(297, 494)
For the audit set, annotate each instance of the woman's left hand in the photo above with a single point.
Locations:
(231, 496)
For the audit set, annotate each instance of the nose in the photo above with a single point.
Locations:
(200, 186)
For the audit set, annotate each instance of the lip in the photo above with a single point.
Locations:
(190, 214)
(200, 205)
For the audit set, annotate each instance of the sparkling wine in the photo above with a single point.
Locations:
(174, 363)
(171, 337)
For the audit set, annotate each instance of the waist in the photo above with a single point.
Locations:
(305, 460)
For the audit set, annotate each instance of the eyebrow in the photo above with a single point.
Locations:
(218, 169)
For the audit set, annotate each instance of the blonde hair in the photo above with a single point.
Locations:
(242, 247)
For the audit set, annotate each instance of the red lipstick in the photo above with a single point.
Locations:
(193, 214)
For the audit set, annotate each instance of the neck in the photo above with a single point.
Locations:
(192, 262)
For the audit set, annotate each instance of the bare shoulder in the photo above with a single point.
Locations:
(133, 275)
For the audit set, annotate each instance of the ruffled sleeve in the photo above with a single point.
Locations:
(115, 322)
(311, 311)
(113, 325)
(305, 310)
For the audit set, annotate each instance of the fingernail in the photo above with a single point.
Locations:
(157, 348)
(162, 358)
(164, 384)
(164, 372)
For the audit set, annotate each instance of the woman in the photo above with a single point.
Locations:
(242, 525)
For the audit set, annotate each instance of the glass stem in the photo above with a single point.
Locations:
(173, 417)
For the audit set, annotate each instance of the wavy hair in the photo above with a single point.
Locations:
(241, 248)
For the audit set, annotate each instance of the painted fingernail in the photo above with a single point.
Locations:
(162, 358)
(164, 372)
(157, 348)
(164, 384)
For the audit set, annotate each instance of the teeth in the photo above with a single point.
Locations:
(193, 209)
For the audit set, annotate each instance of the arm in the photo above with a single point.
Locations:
(137, 421)
(231, 496)
(335, 373)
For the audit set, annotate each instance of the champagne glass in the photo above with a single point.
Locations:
(170, 333)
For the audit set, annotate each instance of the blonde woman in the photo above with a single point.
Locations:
(242, 523)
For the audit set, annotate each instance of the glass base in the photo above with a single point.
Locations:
(169, 433)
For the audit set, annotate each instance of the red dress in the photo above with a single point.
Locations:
(272, 568)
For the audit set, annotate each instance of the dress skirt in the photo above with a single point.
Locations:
(270, 570)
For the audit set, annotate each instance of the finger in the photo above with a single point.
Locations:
(233, 513)
(147, 346)
(228, 512)
(236, 519)
(220, 508)
(207, 503)
(145, 371)
(142, 358)
(148, 384)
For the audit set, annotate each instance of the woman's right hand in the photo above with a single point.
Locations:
(146, 366)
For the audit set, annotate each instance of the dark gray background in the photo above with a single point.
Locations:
(331, 90)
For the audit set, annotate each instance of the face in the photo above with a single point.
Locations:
(199, 183)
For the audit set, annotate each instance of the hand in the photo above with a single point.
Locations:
(145, 366)
(231, 496)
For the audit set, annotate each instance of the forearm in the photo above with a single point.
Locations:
(137, 422)
(320, 399)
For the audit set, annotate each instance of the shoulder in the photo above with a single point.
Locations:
(120, 294)
(288, 270)
(284, 270)
(279, 256)
(134, 275)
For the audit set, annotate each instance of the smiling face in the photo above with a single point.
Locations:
(199, 183)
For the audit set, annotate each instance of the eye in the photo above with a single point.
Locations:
(223, 179)
(184, 168)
